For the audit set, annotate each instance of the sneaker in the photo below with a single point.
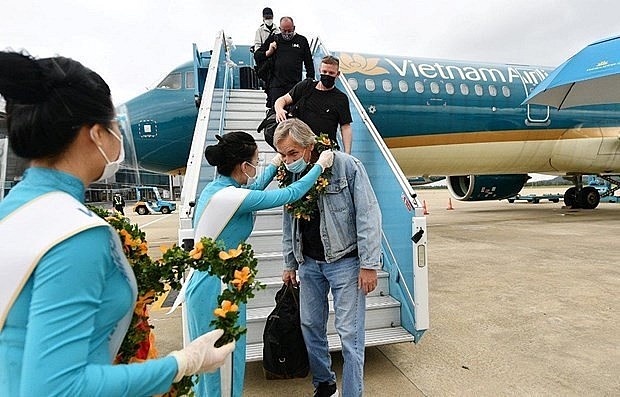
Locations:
(325, 389)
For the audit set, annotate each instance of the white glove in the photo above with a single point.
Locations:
(326, 159)
(201, 356)
(276, 160)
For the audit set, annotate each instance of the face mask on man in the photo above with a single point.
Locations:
(111, 167)
(288, 36)
(298, 165)
(328, 81)
(268, 22)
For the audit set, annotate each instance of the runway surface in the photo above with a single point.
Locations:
(523, 301)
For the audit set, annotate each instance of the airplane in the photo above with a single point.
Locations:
(460, 120)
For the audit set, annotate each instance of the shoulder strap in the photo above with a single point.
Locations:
(64, 217)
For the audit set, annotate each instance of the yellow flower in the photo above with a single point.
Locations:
(241, 277)
(232, 253)
(325, 141)
(163, 248)
(227, 306)
(128, 241)
(358, 64)
(143, 248)
(196, 253)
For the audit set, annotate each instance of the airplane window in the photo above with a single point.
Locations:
(464, 89)
(370, 84)
(419, 87)
(171, 82)
(478, 89)
(352, 83)
(434, 88)
(492, 90)
(450, 88)
(506, 91)
(387, 85)
(189, 80)
(402, 86)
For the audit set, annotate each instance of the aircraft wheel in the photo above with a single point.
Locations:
(142, 210)
(589, 198)
(165, 210)
(570, 197)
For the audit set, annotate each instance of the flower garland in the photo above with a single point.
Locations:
(304, 207)
(236, 267)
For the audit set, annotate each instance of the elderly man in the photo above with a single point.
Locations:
(289, 51)
(338, 249)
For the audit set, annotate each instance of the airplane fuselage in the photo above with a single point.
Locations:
(438, 117)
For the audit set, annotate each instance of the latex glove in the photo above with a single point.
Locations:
(326, 159)
(276, 160)
(201, 356)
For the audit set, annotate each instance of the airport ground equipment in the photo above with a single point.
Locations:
(151, 202)
(397, 310)
(536, 198)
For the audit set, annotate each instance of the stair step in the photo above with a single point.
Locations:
(374, 337)
(381, 312)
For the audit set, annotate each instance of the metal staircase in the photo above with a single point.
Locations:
(245, 109)
(397, 311)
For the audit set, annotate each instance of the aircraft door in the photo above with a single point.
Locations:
(536, 115)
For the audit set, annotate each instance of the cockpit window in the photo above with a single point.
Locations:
(189, 79)
(171, 82)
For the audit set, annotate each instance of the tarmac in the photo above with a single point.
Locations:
(523, 302)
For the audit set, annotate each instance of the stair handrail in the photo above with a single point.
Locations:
(408, 197)
(190, 185)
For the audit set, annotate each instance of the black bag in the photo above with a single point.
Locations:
(284, 350)
(264, 69)
(268, 127)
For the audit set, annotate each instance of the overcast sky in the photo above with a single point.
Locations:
(133, 43)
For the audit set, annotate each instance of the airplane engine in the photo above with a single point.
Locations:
(485, 187)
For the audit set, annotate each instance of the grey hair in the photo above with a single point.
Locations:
(297, 130)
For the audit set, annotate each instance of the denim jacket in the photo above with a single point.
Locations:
(350, 218)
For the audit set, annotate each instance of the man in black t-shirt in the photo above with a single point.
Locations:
(324, 106)
(289, 51)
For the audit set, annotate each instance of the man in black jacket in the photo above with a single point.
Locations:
(289, 51)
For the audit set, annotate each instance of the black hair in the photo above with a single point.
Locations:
(48, 100)
(231, 149)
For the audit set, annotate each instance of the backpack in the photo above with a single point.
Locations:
(284, 350)
(268, 127)
(269, 124)
(264, 69)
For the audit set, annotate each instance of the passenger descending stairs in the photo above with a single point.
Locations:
(245, 111)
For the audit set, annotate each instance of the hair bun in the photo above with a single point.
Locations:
(22, 79)
(215, 153)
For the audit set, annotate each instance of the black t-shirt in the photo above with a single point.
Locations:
(288, 59)
(323, 111)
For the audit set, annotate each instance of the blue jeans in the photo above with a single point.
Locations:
(316, 279)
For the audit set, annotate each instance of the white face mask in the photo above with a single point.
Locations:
(111, 167)
(268, 22)
(251, 179)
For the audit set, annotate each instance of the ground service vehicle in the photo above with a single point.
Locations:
(150, 201)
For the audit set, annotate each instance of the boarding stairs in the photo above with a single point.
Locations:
(241, 109)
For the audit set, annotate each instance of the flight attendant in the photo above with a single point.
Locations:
(67, 292)
(225, 212)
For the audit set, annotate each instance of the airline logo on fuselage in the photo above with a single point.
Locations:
(356, 63)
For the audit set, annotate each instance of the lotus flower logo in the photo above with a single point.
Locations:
(601, 64)
(358, 64)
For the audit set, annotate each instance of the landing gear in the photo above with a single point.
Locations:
(589, 198)
(578, 196)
